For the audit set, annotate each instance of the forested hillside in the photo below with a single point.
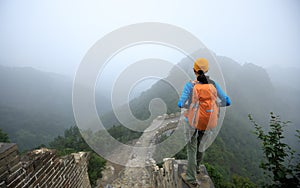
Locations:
(36, 106)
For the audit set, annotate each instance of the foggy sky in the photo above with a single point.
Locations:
(54, 35)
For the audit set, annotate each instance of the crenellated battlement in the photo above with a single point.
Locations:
(42, 168)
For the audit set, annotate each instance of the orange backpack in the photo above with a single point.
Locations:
(203, 111)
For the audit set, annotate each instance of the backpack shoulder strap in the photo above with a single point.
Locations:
(210, 81)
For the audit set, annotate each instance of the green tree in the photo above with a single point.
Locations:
(4, 137)
(95, 166)
(279, 165)
(72, 141)
(242, 182)
(217, 177)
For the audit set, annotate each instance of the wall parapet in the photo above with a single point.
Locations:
(42, 168)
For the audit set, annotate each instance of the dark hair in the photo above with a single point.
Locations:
(202, 78)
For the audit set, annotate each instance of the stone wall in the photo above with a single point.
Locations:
(170, 175)
(167, 176)
(42, 168)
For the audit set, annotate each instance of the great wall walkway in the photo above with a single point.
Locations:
(141, 171)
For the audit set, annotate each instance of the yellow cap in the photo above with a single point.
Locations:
(201, 64)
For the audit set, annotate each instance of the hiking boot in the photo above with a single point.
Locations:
(193, 183)
(200, 170)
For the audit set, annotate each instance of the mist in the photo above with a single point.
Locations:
(255, 44)
(54, 36)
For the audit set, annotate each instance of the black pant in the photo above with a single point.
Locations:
(199, 154)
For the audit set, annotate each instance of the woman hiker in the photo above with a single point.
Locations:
(202, 114)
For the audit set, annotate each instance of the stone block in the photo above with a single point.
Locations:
(7, 148)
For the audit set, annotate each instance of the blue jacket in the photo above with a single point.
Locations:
(188, 89)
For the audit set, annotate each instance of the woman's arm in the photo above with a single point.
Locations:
(225, 100)
(187, 90)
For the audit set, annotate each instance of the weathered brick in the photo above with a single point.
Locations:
(6, 149)
(18, 172)
(41, 168)
(15, 168)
